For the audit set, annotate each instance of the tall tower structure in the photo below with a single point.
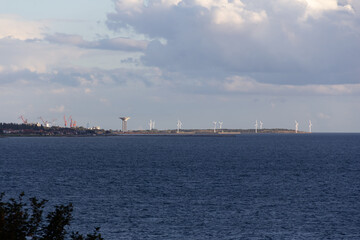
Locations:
(214, 126)
(124, 123)
(179, 125)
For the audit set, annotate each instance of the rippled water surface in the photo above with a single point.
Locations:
(195, 187)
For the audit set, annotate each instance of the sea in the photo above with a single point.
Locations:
(248, 186)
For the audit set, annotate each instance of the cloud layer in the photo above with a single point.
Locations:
(12, 26)
(276, 42)
(194, 59)
(122, 44)
(248, 85)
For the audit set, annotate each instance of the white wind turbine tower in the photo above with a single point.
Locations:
(214, 126)
(256, 126)
(261, 125)
(220, 125)
(296, 126)
(179, 125)
(310, 125)
(151, 124)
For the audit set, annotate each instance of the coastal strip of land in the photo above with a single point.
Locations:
(13, 129)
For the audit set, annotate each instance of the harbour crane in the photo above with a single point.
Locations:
(71, 121)
(46, 123)
(23, 119)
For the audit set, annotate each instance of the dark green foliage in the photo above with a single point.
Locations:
(13, 219)
(15, 126)
(94, 236)
(14, 129)
(35, 221)
(57, 220)
(19, 221)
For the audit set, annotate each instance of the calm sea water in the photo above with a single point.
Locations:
(171, 187)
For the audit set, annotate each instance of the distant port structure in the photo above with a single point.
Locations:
(48, 128)
(124, 123)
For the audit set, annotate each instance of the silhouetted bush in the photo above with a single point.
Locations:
(20, 221)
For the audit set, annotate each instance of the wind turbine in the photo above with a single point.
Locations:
(214, 126)
(256, 126)
(179, 125)
(296, 126)
(310, 125)
(220, 125)
(151, 124)
(261, 125)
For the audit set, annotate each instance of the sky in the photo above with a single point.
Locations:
(198, 61)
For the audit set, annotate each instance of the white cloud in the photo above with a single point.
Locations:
(35, 56)
(129, 7)
(315, 8)
(83, 81)
(42, 57)
(124, 44)
(171, 2)
(231, 12)
(12, 26)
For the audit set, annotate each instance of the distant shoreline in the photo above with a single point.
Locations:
(35, 130)
(165, 133)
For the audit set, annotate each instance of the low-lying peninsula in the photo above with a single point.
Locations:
(13, 129)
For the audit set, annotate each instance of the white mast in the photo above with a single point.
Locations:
(261, 125)
(151, 124)
(256, 126)
(296, 126)
(179, 125)
(220, 125)
(214, 126)
(310, 125)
